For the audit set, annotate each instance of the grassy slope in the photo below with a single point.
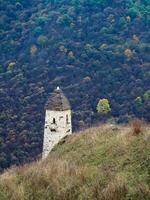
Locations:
(101, 163)
(86, 57)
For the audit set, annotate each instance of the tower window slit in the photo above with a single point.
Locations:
(53, 130)
(54, 121)
(67, 119)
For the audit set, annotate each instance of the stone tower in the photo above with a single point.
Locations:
(57, 120)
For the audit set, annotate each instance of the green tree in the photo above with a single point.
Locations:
(1, 69)
(133, 12)
(33, 50)
(42, 40)
(41, 20)
(64, 19)
(37, 31)
(138, 101)
(147, 95)
(128, 53)
(71, 55)
(11, 66)
(103, 106)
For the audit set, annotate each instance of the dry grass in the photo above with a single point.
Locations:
(101, 163)
(9, 182)
(53, 175)
(115, 190)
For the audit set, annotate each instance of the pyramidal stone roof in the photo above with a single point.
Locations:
(58, 101)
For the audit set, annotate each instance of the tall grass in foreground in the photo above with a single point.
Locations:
(103, 163)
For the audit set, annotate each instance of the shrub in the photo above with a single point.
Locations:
(137, 126)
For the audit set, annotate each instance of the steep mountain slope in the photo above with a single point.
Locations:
(91, 48)
(104, 163)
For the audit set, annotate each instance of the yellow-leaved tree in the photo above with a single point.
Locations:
(103, 106)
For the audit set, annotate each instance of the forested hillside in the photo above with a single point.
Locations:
(92, 49)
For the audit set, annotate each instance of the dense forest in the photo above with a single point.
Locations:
(92, 49)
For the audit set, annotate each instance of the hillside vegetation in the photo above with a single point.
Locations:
(102, 163)
(92, 49)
